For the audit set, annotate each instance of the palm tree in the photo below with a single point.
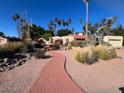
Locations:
(53, 23)
(55, 20)
(59, 22)
(80, 21)
(69, 21)
(15, 17)
(63, 22)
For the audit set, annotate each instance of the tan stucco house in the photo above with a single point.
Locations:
(3, 40)
(70, 38)
(114, 41)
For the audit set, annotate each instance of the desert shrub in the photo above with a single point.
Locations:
(9, 49)
(77, 43)
(89, 56)
(92, 54)
(12, 47)
(69, 46)
(79, 57)
(28, 47)
(39, 54)
(57, 44)
(38, 45)
(112, 53)
(105, 53)
(56, 47)
(4, 53)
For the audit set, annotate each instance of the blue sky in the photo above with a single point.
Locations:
(42, 11)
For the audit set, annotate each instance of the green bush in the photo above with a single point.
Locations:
(39, 54)
(28, 47)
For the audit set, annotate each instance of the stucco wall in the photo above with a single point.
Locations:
(3, 40)
(115, 41)
(64, 38)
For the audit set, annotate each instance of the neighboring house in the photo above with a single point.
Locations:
(3, 40)
(68, 38)
(78, 36)
(42, 40)
(63, 38)
(13, 39)
(114, 41)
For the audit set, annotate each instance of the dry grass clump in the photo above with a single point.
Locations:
(80, 57)
(106, 53)
(91, 54)
(14, 47)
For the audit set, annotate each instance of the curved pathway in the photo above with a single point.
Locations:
(54, 78)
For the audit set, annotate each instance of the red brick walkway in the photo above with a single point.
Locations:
(54, 79)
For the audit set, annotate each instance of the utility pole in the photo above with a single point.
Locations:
(87, 19)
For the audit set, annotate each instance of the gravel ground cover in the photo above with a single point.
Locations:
(101, 77)
(20, 79)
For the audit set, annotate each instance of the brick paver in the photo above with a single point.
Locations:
(54, 78)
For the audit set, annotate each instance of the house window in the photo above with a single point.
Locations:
(114, 40)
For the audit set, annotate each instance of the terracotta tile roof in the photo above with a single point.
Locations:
(76, 36)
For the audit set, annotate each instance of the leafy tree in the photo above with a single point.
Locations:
(46, 36)
(50, 31)
(104, 27)
(2, 34)
(36, 32)
(15, 17)
(119, 31)
(64, 32)
(58, 22)
(80, 21)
